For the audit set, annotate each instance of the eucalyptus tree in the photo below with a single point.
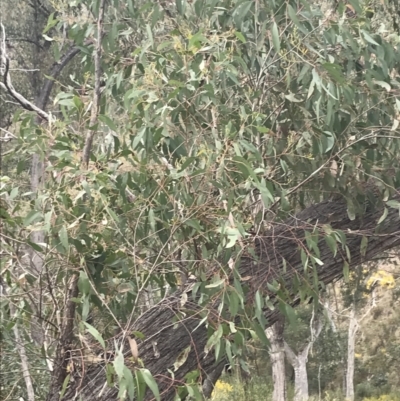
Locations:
(245, 154)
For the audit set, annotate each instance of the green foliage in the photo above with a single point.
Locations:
(260, 389)
(385, 397)
(369, 392)
(208, 108)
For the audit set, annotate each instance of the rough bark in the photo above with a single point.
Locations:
(165, 340)
(277, 355)
(351, 344)
(393, 9)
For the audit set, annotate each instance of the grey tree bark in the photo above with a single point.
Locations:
(299, 362)
(334, 330)
(165, 339)
(277, 355)
(354, 325)
(351, 344)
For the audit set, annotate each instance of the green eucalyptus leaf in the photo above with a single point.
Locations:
(152, 384)
(275, 37)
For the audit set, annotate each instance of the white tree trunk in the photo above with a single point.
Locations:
(277, 355)
(351, 344)
(37, 237)
(300, 377)
(334, 329)
(299, 363)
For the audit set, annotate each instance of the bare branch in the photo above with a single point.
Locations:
(8, 86)
(25, 40)
(25, 69)
(44, 96)
(7, 137)
(54, 73)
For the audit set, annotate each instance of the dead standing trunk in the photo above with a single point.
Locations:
(165, 340)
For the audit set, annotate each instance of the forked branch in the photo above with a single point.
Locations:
(9, 87)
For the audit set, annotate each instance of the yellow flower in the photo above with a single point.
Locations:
(383, 278)
(221, 390)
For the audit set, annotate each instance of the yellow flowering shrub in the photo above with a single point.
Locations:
(221, 391)
(383, 278)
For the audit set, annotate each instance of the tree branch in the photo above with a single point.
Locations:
(97, 94)
(290, 355)
(7, 137)
(54, 73)
(25, 40)
(44, 96)
(8, 86)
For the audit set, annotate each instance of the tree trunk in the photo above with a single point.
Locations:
(334, 330)
(299, 363)
(165, 339)
(277, 355)
(351, 345)
(301, 378)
